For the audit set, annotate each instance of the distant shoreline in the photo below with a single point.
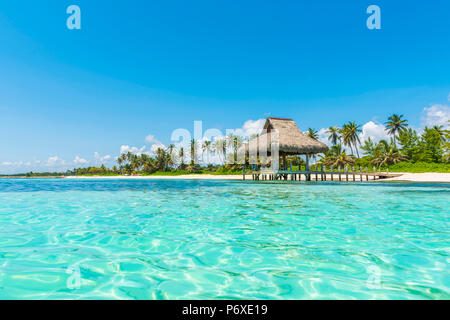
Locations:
(413, 177)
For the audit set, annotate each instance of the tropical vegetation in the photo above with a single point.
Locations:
(407, 149)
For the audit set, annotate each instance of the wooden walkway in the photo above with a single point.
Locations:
(323, 174)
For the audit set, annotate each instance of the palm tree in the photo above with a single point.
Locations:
(193, 147)
(181, 155)
(229, 142)
(346, 137)
(395, 125)
(334, 135)
(441, 132)
(368, 147)
(171, 148)
(121, 159)
(337, 157)
(220, 147)
(134, 161)
(234, 141)
(391, 156)
(312, 134)
(206, 147)
(446, 146)
(350, 135)
(171, 153)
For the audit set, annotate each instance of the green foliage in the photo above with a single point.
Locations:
(419, 167)
(395, 125)
(350, 136)
(312, 134)
(336, 157)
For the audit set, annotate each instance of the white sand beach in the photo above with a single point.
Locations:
(422, 177)
(417, 177)
(181, 177)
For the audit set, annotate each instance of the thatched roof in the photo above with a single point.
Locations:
(291, 139)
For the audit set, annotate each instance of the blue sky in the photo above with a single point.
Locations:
(139, 68)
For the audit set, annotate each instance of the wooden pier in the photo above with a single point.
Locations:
(318, 173)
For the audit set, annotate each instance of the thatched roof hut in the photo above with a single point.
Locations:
(291, 140)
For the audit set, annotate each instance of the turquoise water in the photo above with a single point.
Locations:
(175, 239)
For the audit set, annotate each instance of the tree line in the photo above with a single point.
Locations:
(432, 145)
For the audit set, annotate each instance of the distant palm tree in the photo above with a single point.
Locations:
(441, 132)
(193, 148)
(446, 156)
(234, 141)
(312, 134)
(207, 148)
(181, 155)
(220, 147)
(395, 125)
(171, 148)
(334, 135)
(162, 159)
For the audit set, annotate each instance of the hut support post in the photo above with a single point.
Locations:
(307, 175)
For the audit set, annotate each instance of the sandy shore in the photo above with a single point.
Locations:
(417, 177)
(182, 177)
(422, 177)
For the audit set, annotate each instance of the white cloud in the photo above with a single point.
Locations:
(155, 147)
(375, 131)
(79, 160)
(151, 139)
(249, 128)
(134, 150)
(437, 114)
(99, 159)
(323, 136)
(54, 161)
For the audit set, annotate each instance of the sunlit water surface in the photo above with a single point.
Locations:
(176, 239)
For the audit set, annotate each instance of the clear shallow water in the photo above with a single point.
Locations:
(223, 240)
